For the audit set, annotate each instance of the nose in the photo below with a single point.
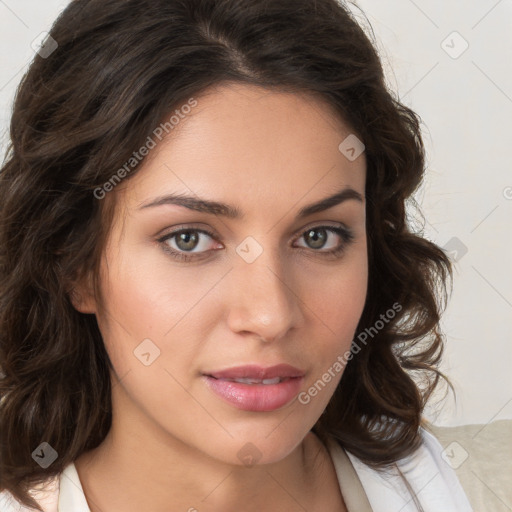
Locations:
(265, 298)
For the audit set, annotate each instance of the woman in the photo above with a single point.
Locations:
(210, 297)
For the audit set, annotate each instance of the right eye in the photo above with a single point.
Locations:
(185, 241)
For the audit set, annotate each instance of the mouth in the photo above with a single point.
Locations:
(258, 373)
(265, 382)
(257, 389)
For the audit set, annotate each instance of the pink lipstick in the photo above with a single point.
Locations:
(254, 388)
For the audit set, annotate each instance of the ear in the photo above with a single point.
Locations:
(82, 296)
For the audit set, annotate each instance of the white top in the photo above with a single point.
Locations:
(431, 478)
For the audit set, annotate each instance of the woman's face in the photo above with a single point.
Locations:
(267, 287)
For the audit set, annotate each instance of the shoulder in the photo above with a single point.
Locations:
(61, 493)
(481, 456)
(8, 503)
(47, 496)
(424, 474)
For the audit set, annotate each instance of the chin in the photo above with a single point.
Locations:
(249, 448)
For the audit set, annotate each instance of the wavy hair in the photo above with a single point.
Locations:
(79, 113)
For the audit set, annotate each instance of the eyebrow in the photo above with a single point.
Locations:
(226, 210)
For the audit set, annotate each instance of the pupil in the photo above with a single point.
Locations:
(187, 237)
(318, 241)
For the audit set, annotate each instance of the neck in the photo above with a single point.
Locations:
(140, 467)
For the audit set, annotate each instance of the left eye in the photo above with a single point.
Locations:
(319, 236)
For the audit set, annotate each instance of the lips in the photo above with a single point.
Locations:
(257, 373)
(253, 388)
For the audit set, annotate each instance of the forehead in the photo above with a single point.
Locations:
(244, 143)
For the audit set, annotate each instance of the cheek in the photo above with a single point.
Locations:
(149, 299)
(149, 295)
(337, 296)
(336, 300)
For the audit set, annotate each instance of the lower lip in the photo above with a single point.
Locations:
(256, 397)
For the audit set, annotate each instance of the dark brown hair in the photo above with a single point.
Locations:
(79, 113)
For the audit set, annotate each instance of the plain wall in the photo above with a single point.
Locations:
(465, 101)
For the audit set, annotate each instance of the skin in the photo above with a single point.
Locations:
(172, 440)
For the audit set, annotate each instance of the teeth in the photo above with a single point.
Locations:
(247, 381)
(275, 380)
(271, 381)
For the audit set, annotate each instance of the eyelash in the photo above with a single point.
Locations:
(346, 235)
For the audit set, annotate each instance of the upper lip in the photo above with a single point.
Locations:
(257, 372)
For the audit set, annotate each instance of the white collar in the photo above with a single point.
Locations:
(428, 474)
